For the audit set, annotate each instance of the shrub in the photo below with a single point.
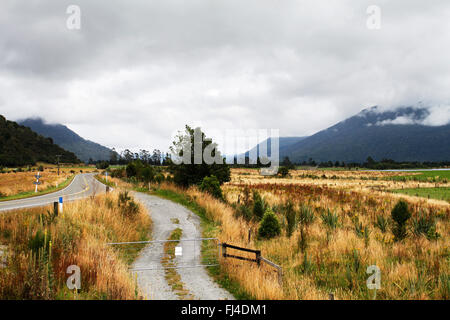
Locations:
(283, 171)
(211, 185)
(330, 219)
(400, 214)
(306, 215)
(382, 223)
(147, 174)
(423, 225)
(291, 218)
(258, 206)
(102, 165)
(270, 226)
(159, 177)
(127, 206)
(244, 212)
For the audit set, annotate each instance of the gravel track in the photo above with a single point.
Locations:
(167, 216)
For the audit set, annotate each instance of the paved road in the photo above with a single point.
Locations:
(167, 216)
(82, 186)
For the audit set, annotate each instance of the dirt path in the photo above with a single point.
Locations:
(167, 216)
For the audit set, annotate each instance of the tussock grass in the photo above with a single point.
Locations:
(351, 232)
(41, 247)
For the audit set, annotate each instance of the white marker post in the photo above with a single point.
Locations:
(37, 182)
(106, 174)
(60, 204)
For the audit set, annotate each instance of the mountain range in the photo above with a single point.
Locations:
(69, 140)
(20, 146)
(400, 135)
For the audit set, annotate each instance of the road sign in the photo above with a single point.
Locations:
(36, 182)
(37, 176)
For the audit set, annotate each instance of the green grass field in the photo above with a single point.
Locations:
(433, 193)
(430, 176)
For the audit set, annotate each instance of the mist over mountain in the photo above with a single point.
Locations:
(20, 146)
(404, 134)
(69, 140)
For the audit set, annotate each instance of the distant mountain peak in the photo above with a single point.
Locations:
(406, 133)
(68, 139)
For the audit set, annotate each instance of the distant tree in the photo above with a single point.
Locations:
(113, 157)
(147, 174)
(283, 171)
(102, 165)
(156, 157)
(186, 174)
(287, 163)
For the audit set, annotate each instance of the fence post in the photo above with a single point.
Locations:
(258, 257)
(55, 208)
(249, 234)
(224, 250)
(331, 296)
(280, 276)
(107, 189)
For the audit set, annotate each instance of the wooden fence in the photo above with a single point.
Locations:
(258, 258)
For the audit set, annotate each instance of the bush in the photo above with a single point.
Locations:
(306, 216)
(291, 218)
(258, 206)
(102, 165)
(270, 226)
(283, 171)
(423, 225)
(400, 214)
(148, 174)
(381, 223)
(243, 211)
(211, 185)
(159, 177)
(127, 206)
(330, 219)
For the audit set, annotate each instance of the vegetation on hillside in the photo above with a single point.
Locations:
(20, 146)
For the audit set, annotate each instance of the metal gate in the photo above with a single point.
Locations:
(170, 254)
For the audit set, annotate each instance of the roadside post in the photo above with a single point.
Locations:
(60, 204)
(106, 175)
(55, 208)
(38, 176)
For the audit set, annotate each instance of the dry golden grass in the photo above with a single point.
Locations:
(78, 237)
(334, 261)
(15, 183)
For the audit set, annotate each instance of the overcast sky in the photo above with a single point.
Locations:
(137, 71)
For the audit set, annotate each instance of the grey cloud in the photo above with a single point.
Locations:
(144, 68)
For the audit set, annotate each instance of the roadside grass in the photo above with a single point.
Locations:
(103, 180)
(210, 229)
(31, 194)
(42, 246)
(441, 193)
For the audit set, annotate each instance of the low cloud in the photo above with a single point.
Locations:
(139, 70)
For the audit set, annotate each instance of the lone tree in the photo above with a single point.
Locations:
(211, 185)
(195, 157)
(270, 226)
(400, 214)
